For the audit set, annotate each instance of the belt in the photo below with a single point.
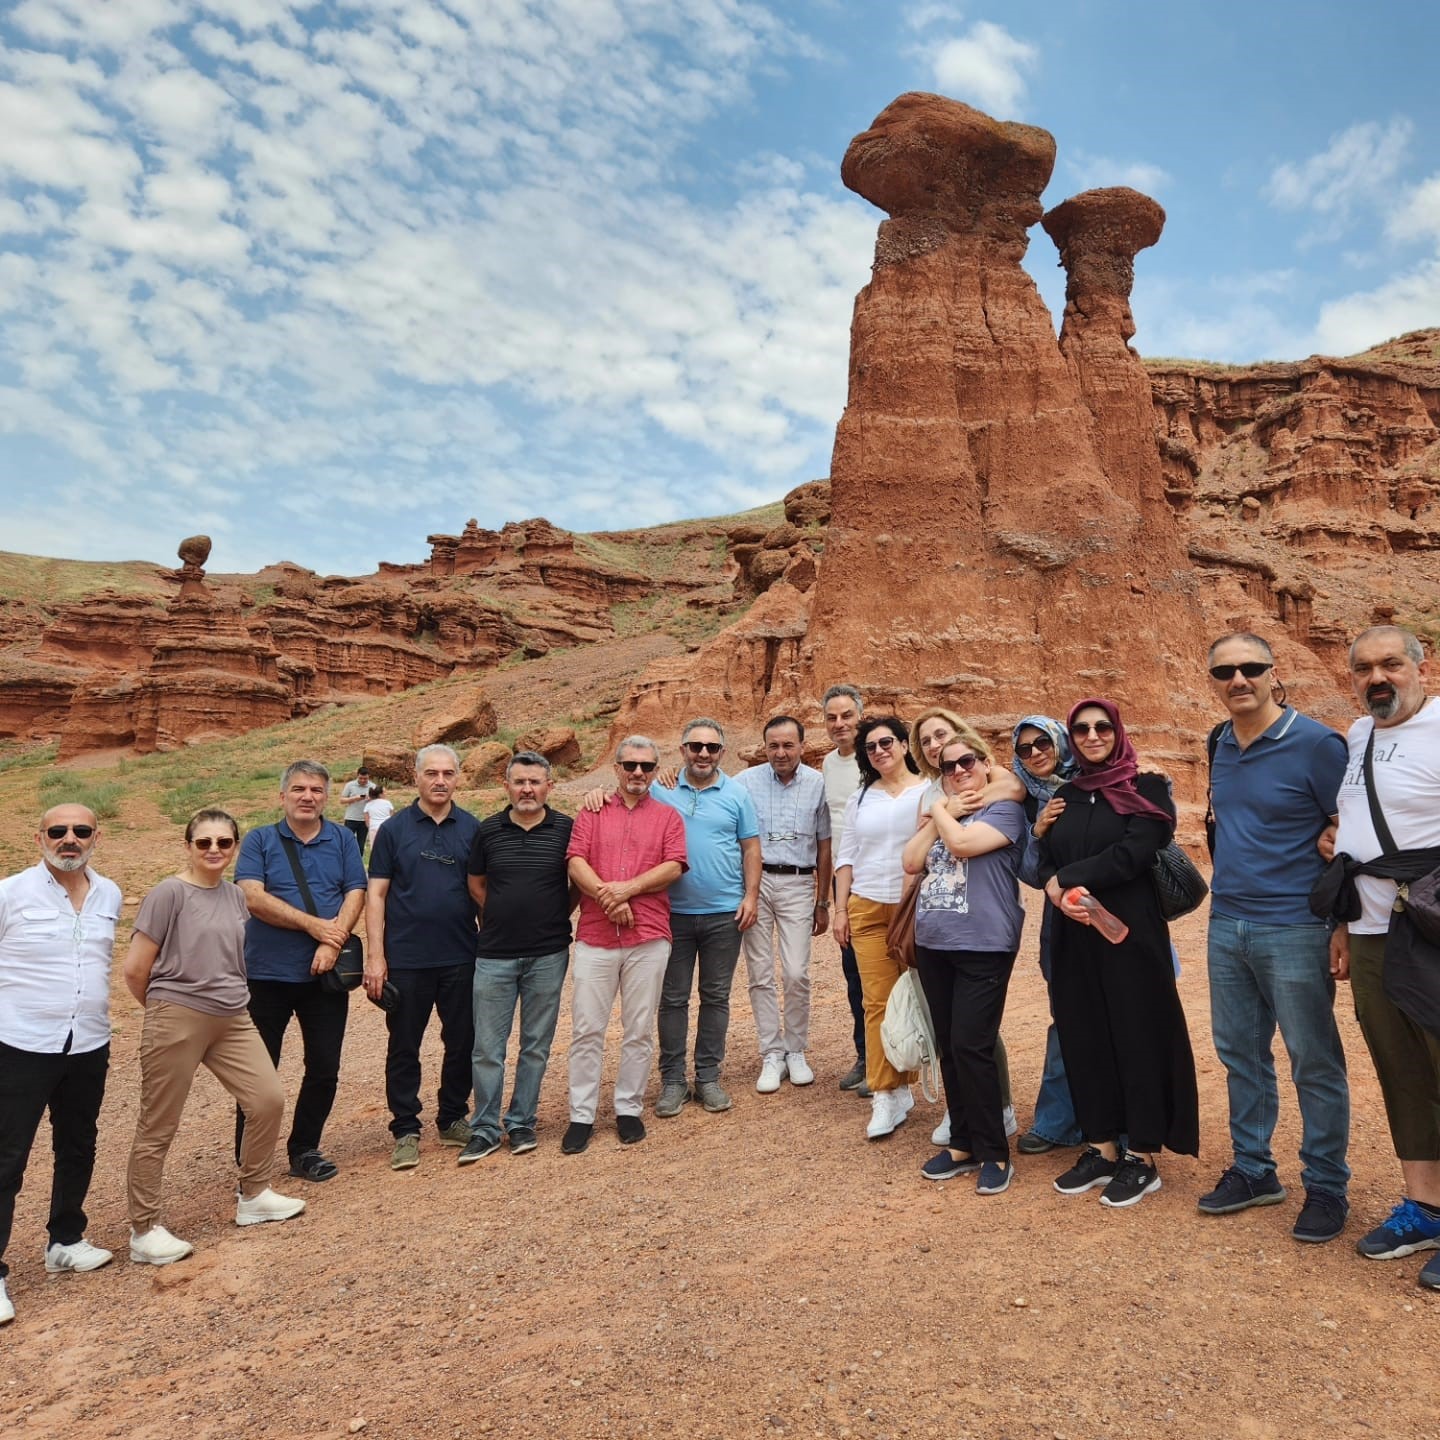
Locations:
(788, 869)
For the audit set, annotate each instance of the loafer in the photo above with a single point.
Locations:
(994, 1178)
(630, 1129)
(945, 1166)
(576, 1137)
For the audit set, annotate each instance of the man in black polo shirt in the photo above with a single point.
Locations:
(420, 929)
(521, 886)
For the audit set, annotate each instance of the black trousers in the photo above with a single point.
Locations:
(72, 1088)
(322, 1015)
(966, 990)
(360, 829)
(854, 992)
(448, 990)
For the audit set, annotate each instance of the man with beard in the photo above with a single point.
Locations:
(57, 935)
(1395, 749)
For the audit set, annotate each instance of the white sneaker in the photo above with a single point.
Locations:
(1011, 1123)
(772, 1072)
(267, 1205)
(82, 1255)
(800, 1071)
(7, 1310)
(903, 1101)
(888, 1109)
(940, 1135)
(157, 1246)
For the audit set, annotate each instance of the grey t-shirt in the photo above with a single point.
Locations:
(974, 904)
(201, 935)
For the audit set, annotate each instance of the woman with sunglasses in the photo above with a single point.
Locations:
(968, 921)
(869, 881)
(929, 732)
(186, 966)
(1122, 1028)
(1043, 763)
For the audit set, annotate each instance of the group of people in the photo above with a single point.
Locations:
(677, 875)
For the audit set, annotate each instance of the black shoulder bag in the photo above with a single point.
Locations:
(349, 967)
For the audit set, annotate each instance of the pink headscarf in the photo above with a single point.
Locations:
(1114, 778)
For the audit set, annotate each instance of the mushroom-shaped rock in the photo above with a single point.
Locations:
(194, 551)
(1098, 233)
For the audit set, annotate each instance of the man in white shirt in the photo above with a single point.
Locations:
(354, 796)
(57, 937)
(1394, 748)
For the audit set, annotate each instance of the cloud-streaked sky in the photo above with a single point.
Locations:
(322, 279)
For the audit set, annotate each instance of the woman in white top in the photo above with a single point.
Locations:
(378, 809)
(869, 880)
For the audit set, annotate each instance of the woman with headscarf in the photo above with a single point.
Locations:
(1043, 763)
(1122, 1029)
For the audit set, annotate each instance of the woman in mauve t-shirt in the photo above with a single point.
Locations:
(186, 966)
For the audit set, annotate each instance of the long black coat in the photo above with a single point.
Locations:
(1121, 1026)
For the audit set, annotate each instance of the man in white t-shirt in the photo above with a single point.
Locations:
(1401, 732)
(843, 708)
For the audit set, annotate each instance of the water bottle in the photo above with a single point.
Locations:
(1110, 925)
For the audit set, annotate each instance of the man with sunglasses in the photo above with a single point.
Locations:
(622, 858)
(1274, 778)
(420, 929)
(57, 935)
(711, 907)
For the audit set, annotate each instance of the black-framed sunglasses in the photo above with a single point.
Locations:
(1026, 748)
(214, 842)
(1251, 670)
(881, 742)
(645, 767)
(960, 762)
(704, 747)
(1086, 727)
(59, 832)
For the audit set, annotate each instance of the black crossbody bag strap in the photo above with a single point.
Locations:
(1377, 816)
(300, 880)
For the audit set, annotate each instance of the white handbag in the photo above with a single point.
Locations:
(907, 1034)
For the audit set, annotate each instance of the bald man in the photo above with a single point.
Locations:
(57, 936)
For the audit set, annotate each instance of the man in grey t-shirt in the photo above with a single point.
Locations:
(354, 795)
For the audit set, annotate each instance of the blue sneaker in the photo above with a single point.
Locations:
(993, 1178)
(1407, 1230)
(945, 1167)
(1429, 1277)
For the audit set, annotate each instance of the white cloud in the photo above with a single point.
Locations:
(1418, 214)
(1093, 172)
(1408, 302)
(987, 66)
(1358, 167)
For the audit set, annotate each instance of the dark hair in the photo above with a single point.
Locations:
(780, 720)
(220, 817)
(867, 727)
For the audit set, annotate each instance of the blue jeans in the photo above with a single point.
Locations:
(535, 982)
(1054, 1109)
(1262, 976)
(713, 943)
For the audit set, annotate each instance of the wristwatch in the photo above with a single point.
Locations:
(822, 904)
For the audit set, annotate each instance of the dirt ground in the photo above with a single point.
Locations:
(761, 1272)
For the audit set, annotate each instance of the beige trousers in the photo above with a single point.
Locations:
(785, 918)
(637, 972)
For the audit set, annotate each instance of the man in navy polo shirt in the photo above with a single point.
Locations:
(287, 948)
(520, 883)
(420, 933)
(1274, 782)
(711, 905)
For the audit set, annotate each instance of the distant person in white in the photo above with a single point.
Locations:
(377, 811)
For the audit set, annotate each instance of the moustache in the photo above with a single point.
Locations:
(1379, 692)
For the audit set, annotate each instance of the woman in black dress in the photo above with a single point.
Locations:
(1122, 1030)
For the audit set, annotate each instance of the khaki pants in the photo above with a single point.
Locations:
(176, 1041)
(869, 920)
(786, 913)
(637, 972)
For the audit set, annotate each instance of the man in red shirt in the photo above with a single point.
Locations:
(622, 860)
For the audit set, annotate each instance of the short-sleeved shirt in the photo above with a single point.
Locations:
(200, 930)
(1271, 801)
(358, 792)
(793, 817)
(974, 903)
(717, 819)
(619, 842)
(841, 774)
(527, 885)
(429, 915)
(333, 869)
(377, 812)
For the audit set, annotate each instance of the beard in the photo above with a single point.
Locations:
(1382, 701)
(68, 864)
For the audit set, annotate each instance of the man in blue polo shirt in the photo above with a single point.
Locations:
(420, 934)
(711, 905)
(288, 946)
(1274, 781)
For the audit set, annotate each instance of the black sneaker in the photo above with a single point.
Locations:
(477, 1147)
(1135, 1178)
(630, 1128)
(854, 1077)
(522, 1139)
(1235, 1190)
(1322, 1217)
(577, 1137)
(1429, 1276)
(1032, 1142)
(1090, 1170)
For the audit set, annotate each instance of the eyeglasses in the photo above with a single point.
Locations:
(214, 842)
(960, 762)
(1026, 748)
(439, 859)
(881, 742)
(645, 767)
(1084, 727)
(1251, 670)
(704, 747)
(59, 832)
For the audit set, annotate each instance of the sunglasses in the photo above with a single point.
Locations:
(704, 747)
(1100, 727)
(884, 742)
(960, 762)
(214, 842)
(59, 832)
(1026, 748)
(645, 767)
(1251, 670)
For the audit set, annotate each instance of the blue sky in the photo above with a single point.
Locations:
(322, 279)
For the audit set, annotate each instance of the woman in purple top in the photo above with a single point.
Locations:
(968, 920)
